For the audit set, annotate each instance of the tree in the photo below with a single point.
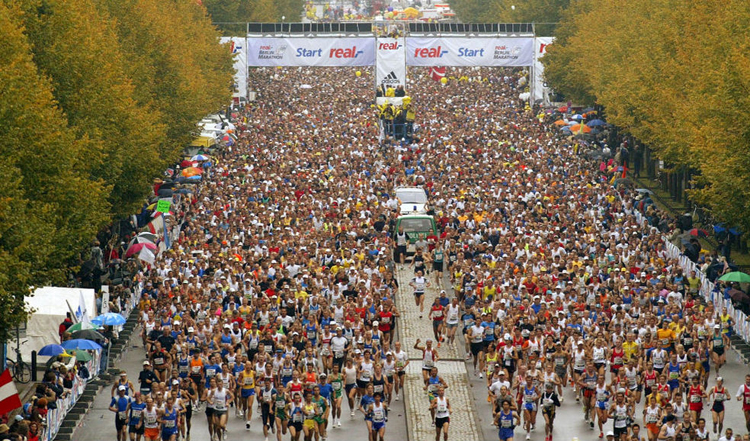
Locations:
(674, 75)
(49, 208)
(91, 84)
(175, 61)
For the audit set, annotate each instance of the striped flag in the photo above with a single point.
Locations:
(437, 73)
(9, 399)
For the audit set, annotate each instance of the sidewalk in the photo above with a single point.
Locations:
(451, 367)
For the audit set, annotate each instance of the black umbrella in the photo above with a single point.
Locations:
(739, 296)
(88, 334)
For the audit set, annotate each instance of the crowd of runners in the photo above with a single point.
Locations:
(277, 304)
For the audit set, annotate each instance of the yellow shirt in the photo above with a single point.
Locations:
(630, 349)
(665, 337)
(489, 291)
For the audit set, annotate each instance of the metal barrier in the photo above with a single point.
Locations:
(707, 289)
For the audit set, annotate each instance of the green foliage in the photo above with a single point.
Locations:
(231, 16)
(98, 96)
(48, 206)
(676, 75)
(544, 12)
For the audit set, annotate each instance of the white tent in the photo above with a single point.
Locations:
(50, 304)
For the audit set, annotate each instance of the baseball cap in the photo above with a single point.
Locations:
(122, 387)
(146, 363)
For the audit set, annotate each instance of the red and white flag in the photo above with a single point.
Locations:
(436, 73)
(9, 399)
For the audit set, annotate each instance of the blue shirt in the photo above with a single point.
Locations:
(121, 403)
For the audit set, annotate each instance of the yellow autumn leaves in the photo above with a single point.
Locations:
(674, 74)
(97, 98)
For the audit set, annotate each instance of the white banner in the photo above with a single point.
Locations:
(332, 52)
(238, 47)
(461, 51)
(391, 65)
(540, 89)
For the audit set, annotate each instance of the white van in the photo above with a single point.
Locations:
(413, 200)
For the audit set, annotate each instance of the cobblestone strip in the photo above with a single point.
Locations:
(451, 367)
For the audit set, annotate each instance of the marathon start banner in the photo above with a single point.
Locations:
(463, 51)
(391, 65)
(330, 52)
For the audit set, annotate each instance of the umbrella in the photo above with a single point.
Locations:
(199, 158)
(137, 247)
(735, 232)
(580, 128)
(151, 237)
(596, 122)
(83, 356)
(165, 192)
(697, 232)
(622, 181)
(735, 276)
(577, 117)
(80, 343)
(561, 122)
(88, 334)
(139, 239)
(192, 171)
(738, 296)
(111, 319)
(644, 190)
(186, 164)
(565, 129)
(51, 350)
(80, 327)
(588, 109)
(562, 109)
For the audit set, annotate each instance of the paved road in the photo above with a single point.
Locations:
(99, 424)
(463, 424)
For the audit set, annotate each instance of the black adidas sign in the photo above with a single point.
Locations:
(390, 79)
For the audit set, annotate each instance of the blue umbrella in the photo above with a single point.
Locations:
(110, 318)
(596, 122)
(80, 343)
(199, 158)
(51, 350)
(577, 117)
(565, 129)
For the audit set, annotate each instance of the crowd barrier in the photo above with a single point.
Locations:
(55, 417)
(708, 289)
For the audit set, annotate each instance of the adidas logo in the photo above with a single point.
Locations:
(391, 78)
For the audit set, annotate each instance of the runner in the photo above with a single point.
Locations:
(419, 283)
(120, 405)
(442, 411)
(506, 420)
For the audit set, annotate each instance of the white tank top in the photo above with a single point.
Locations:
(428, 359)
(441, 411)
(350, 374)
(150, 419)
(598, 355)
(378, 413)
(220, 399)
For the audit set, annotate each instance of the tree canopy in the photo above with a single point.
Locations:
(230, 15)
(97, 100)
(544, 13)
(674, 75)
